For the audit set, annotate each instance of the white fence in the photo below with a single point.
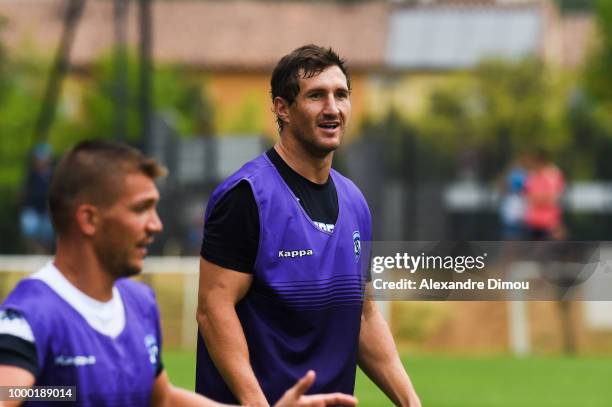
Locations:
(185, 268)
(597, 314)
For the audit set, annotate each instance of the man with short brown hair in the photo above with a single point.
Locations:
(282, 273)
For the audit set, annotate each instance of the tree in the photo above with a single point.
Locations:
(21, 86)
(495, 112)
(174, 91)
(590, 110)
(85, 109)
(597, 78)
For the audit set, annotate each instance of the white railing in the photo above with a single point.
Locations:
(186, 267)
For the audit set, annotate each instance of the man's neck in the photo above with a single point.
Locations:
(314, 169)
(83, 270)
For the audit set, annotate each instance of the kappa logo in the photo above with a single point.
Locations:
(295, 253)
(79, 360)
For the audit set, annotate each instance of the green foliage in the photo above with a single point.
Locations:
(185, 96)
(250, 116)
(21, 88)
(597, 73)
(497, 110)
(85, 109)
(590, 110)
(175, 92)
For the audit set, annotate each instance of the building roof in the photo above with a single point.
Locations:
(457, 37)
(230, 34)
(248, 35)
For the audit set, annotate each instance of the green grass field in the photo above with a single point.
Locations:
(450, 381)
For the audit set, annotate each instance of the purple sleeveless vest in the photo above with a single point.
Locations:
(105, 371)
(303, 310)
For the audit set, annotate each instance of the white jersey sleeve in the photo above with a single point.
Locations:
(13, 323)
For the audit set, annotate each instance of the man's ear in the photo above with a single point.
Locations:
(281, 109)
(87, 219)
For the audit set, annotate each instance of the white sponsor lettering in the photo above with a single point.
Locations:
(326, 227)
(295, 253)
(78, 360)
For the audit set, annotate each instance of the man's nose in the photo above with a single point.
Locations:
(331, 105)
(155, 224)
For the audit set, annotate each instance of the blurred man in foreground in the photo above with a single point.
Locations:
(78, 321)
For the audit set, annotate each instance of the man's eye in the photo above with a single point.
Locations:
(316, 95)
(142, 208)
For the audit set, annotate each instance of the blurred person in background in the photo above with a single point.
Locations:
(281, 272)
(512, 208)
(79, 321)
(543, 190)
(35, 223)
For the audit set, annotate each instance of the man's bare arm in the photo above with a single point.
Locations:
(14, 376)
(219, 291)
(166, 395)
(378, 358)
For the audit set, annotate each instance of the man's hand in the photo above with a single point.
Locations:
(294, 397)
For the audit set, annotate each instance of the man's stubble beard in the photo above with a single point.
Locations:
(312, 148)
(115, 262)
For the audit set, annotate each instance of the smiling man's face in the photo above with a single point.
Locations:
(320, 112)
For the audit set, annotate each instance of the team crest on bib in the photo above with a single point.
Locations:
(357, 244)
(152, 348)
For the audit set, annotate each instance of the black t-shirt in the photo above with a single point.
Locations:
(18, 352)
(231, 233)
